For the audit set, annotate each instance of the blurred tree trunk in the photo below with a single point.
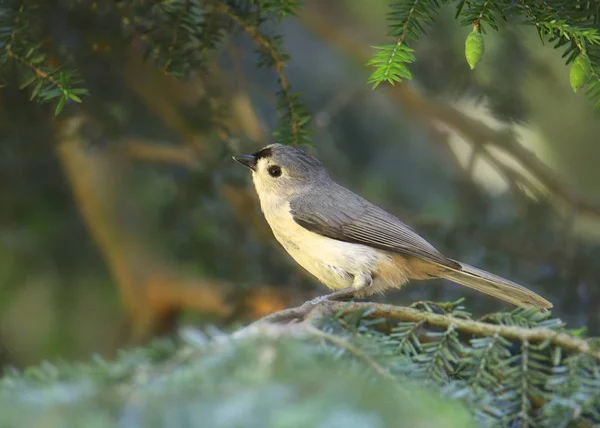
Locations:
(150, 289)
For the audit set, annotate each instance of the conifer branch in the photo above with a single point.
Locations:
(295, 111)
(184, 10)
(405, 314)
(20, 42)
(408, 337)
(38, 72)
(562, 27)
(486, 352)
(479, 12)
(563, 340)
(562, 22)
(280, 8)
(441, 358)
(9, 52)
(517, 367)
(482, 13)
(175, 34)
(348, 346)
(524, 408)
(408, 20)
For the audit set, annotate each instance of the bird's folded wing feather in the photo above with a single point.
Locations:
(345, 216)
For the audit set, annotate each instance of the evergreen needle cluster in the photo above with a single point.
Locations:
(176, 35)
(570, 25)
(353, 365)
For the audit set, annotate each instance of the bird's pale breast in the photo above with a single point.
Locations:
(333, 262)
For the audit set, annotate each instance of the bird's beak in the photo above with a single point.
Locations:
(248, 160)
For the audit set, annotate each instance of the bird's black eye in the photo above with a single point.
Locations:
(274, 171)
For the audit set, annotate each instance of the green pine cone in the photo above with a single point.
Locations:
(474, 48)
(579, 71)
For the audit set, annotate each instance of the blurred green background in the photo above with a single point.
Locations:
(127, 216)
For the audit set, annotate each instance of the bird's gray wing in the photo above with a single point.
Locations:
(345, 216)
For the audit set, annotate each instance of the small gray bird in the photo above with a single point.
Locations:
(348, 243)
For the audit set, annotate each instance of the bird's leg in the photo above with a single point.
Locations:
(361, 282)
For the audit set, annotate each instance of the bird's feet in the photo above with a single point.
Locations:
(341, 295)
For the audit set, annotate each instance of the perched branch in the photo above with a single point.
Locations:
(399, 313)
(404, 314)
(514, 367)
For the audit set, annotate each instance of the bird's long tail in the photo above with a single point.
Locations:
(496, 286)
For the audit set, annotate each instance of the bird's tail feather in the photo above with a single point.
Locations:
(496, 286)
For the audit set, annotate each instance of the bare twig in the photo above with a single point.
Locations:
(171, 154)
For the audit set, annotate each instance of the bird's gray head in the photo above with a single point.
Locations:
(282, 171)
